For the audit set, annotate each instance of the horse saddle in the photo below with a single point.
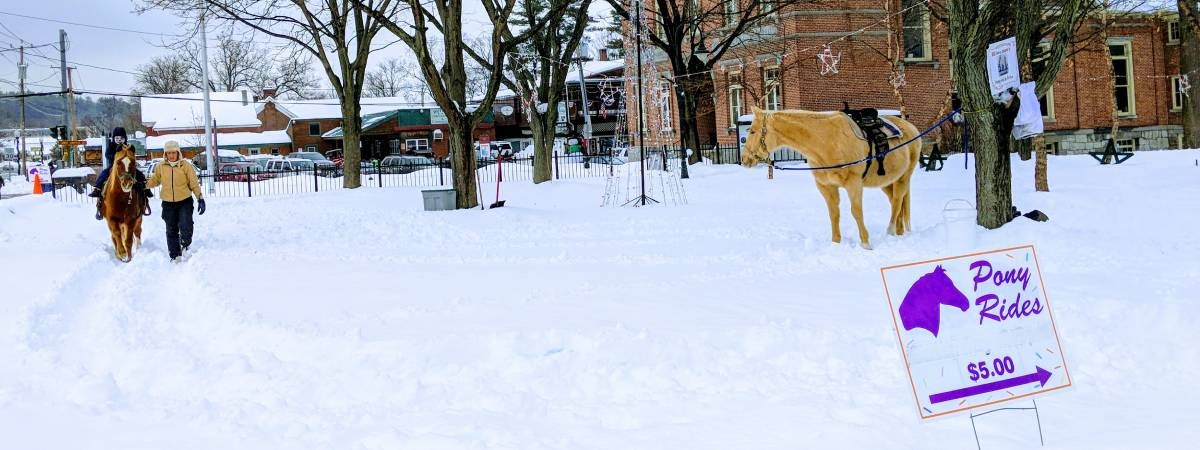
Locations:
(869, 126)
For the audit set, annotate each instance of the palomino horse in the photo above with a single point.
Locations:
(123, 205)
(828, 139)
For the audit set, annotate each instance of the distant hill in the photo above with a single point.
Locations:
(99, 114)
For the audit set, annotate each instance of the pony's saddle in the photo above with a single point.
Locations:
(870, 127)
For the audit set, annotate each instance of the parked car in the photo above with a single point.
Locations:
(242, 171)
(261, 160)
(396, 164)
(318, 159)
(289, 166)
(226, 156)
(336, 155)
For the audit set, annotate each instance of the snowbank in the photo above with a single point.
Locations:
(352, 319)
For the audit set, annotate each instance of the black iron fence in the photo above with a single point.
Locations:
(253, 181)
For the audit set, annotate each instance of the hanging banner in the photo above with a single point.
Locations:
(1004, 71)
(975, 330)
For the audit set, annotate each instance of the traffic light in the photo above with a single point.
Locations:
(59, 132)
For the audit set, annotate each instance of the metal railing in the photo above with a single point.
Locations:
(256, 182)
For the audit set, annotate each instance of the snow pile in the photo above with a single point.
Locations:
(354, 320)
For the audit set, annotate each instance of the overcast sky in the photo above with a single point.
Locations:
(105, 49)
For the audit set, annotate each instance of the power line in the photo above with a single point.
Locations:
(150, 33)
(87, 65)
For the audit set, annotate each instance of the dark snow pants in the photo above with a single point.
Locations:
(178, 216)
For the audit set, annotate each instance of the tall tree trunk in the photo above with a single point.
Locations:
(988, 134)
(1189, 62)
(1040, 181)
(543, 146)
(351, 139)
(462, 161)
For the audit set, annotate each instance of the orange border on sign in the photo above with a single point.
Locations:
(900, 340)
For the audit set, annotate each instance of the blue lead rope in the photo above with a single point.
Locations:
(880, 155)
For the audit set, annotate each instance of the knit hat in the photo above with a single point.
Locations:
(119, 131)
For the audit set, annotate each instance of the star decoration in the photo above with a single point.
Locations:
(829, 62)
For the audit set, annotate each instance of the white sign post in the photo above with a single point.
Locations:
(1004, 71)
(975, 330)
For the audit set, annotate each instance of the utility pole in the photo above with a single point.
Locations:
(21, 68)
(210, 149)
(62, 63)
(71, 114)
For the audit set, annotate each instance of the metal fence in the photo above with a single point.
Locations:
(253, 182)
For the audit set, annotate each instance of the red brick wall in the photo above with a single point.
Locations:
(298, 130)
(1082, 96)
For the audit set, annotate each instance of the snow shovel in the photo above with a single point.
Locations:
(499, 177)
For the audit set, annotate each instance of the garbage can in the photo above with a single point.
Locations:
(444, 199)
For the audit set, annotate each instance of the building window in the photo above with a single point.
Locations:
(732, 13)
(1122, 62)
(735, 98)
(1176, 94)
(1126, 145)
(437, 135)
(1051, 148)
(917, 39)
(773, 100)
(255, 150)
(664, 105)
(768, 6)
(314, 128)
(417, 145)
(1047, 103)
(1173, 32)
(311, 148)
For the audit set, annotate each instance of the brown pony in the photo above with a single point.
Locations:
(123, 204)
(828, 139)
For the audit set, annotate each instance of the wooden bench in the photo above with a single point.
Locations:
(935, 160)
(1110, 149)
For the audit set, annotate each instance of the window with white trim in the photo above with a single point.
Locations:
(1041, 54)
(314, 128)
(918, 44)
(311, 148)
(1121, 55)
(735, 98)
(1176, 94)
(438, 135)
(773, 100)
(1173, 31)
(664, 105)
(1126, 145)
(417, 145)
(255, 150)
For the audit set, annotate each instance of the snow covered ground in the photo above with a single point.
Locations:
(353, 320)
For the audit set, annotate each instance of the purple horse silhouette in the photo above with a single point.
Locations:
(921, 307)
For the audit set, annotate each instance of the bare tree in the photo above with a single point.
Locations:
(291, 76)
(338, 33)
(538, 73)
(164, 75)
(418, 26)
(973, 25)
(1189, 67)
(234, 63)
(397, 78)
(685, 29)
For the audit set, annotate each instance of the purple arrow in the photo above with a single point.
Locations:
(1042, 375)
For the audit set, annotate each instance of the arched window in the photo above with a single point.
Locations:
(437, 135)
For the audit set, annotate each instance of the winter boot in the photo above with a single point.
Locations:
(95, 192)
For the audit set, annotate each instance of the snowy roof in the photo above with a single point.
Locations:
(332, 109)
(184, 111)
(223, 139)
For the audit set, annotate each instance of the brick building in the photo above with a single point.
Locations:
(780, 69)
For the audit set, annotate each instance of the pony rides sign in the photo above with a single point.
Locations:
(975, 330)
